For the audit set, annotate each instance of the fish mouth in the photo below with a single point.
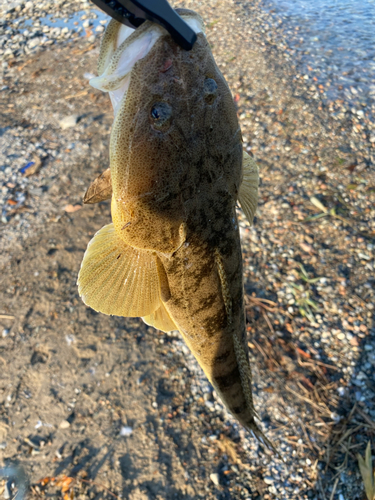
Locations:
(122, 47)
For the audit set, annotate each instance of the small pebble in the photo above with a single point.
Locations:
(215, 478)
(126, 431)
(68, 121)
(268, 480)
(64, 424)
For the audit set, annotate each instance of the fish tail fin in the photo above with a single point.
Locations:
(118, 279)
(258, 434)
(246, 379)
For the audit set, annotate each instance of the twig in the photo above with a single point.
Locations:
(268, 321)
(6, 316)
(306, 435)
(78, 94)
(321, 488)
(346, 435)
(365, 426)
(366, 417)
(260, 349)
(264, 354)
(317, 407)
(265, 301)
(344, 464)
(258, 302)
(320, 363)
(334, 488)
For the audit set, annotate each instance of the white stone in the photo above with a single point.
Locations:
(215, 478)
(68, 121)
(126, 431)
(34, 42)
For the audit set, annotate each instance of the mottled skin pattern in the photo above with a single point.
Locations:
(169, 171)
(175, 189)
(198, 188)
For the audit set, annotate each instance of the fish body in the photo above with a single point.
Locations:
(177, 169)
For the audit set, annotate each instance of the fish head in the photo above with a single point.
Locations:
(175, 120)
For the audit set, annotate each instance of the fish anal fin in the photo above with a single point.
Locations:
(163, 281)
(100, 189)
(161, 320)
(248, 192)
(118, 279)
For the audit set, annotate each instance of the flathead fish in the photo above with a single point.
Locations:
(172, 254)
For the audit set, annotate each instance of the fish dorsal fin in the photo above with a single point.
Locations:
(118, 279)
(225, 290)
(248, 192)
(100, 189)
(161, 320)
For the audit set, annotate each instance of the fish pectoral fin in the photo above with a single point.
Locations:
(118, 279)
(161, 320)
(248, 192)
(100, 189)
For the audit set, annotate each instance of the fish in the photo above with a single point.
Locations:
(172, 254)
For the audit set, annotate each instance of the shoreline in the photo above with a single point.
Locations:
(354, 121)
(352, 113)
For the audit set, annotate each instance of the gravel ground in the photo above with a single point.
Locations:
(111, 408)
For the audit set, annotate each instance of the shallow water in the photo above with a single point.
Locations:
(73, 22)
(333, 38)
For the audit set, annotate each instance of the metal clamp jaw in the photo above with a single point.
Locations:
(133, 13)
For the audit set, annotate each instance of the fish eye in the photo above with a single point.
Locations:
(210, 90)
(161, 113)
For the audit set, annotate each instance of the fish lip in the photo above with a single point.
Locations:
(124, 58)
(127, 53)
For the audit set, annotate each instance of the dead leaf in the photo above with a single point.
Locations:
(46, 480)
(318, 204)
(64, 483)
(289, 327)
(100, 189)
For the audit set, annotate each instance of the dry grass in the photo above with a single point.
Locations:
(368, 475)
(328, 439)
